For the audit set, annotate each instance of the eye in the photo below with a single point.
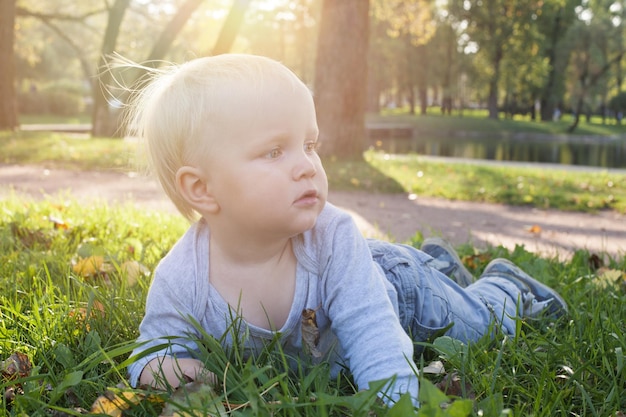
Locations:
(310, 147)
(274, 153)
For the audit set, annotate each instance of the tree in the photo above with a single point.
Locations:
(617, 104)
(103, 86)
(105, 121)
(493, 25)
(412, 22)
(341, 76)
(231, 27)
(594, 54)
(102, 125)
(554, 21)
(8, 100)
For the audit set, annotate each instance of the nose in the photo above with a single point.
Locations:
(305, 166)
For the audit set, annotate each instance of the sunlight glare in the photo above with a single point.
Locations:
(269, 5)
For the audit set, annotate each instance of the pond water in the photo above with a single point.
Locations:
(588, 151)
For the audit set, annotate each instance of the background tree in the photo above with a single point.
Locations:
(523, 70)
(593, 55)
(104, 120)
(444, 50)
(341, 76)
(411, 22)
(554, 19)
(8, 100)
(493, 54)
(101, 120)
(493, 25)
(231, 27)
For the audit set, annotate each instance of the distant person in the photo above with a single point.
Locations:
(557, 114)
(233, 140)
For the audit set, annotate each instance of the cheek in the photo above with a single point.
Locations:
(321, 173)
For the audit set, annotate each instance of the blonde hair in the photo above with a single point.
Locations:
(180, 114)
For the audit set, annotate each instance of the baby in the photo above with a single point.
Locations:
(233, 141)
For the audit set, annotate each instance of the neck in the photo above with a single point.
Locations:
(245, 250)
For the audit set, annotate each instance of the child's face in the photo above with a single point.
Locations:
(265, 174)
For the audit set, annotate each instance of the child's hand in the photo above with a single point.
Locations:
(163, 372)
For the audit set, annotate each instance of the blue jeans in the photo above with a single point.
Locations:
(429, 301)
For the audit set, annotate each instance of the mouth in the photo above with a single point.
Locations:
(307, 198)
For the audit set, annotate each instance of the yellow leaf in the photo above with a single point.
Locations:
(132, 270)
(610, 278)
(113, 404)
(90, 266)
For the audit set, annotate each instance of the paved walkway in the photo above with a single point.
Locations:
(393, 216)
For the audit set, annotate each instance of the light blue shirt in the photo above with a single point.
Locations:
(357, 313)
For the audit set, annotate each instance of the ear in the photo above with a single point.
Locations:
(193, 186)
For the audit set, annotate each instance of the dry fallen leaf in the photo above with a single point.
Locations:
(80, 313)
(133, 270)
(595, 262)
(535, 229)
(435, 368)
(16, 366)
(610, 278)
(474, 261)
(113, 404)
(89, 267)
(30, 238)
(310, 332)
(451, 385)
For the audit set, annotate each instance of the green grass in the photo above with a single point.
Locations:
(63, 150)
(477, 121)
(54, 119)
(520, 186)
(79, 331)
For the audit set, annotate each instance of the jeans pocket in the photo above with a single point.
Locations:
(426, 334)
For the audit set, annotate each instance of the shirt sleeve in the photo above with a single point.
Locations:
(172, 301)
(361, 313)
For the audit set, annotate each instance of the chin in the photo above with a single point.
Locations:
(307, 225)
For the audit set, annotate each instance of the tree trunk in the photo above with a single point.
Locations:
(548, 101)
(231, 27)
(8, 98)
(587, 82)
(104, 120)
(341, 77)
(492, 99)
(423, 96)
(163, 43)
(169, 33)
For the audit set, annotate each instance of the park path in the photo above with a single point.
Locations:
(394, 216)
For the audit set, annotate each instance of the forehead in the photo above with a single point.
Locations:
(241, 100)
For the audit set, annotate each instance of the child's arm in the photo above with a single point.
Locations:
(177, 299)
(360, 310)
(167, 371)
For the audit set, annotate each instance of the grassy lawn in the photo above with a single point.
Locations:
(63, 150)
(74, 277)
(477, 121)
(77, 326)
